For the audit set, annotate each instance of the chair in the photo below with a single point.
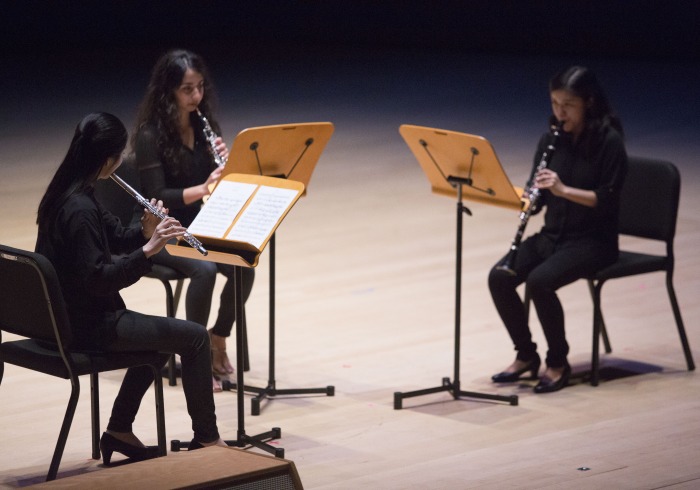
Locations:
(118, 202)
(648, 210)
(32, 306)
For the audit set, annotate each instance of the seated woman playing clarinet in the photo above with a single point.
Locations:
(78, 236)
(580, 190)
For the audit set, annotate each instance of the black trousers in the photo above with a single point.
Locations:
(136, 331)
(545, 266)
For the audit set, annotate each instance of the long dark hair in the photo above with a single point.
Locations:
(583, 83)
(98, 137)
(159, 106)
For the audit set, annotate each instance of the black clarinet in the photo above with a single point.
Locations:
(533, 196)
(188, 237)
(211, 136)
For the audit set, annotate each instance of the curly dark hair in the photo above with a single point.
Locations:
(159, 106)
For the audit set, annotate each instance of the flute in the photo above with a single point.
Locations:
(188, 237)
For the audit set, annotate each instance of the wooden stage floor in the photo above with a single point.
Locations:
(365, 284)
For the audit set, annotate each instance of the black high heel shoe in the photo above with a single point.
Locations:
(505, 377)
(546, 385)
(110, 444)
(194, 445)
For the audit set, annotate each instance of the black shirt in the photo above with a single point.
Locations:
(598, 163)
(161, 180)
(80, 243)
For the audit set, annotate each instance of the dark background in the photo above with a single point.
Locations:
(472, 66)
(640, 29)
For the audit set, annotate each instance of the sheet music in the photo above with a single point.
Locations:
(262, 214)
(221, 208)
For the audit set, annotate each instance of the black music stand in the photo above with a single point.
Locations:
(288, 151)
(464, 166)
(223, 248)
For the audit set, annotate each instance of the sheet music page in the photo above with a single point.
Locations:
(221, 208)
(262, 214)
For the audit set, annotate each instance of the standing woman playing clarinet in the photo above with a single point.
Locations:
(79, 237)
(176, 165)
(580, 189)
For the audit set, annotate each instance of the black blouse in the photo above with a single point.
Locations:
(160, 180)
(598, 163)
(80, 244)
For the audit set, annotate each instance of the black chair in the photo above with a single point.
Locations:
(118, 202)
(32, 306)
(648, 210)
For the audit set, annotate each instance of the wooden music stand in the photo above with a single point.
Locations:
(234, 225)
(466, 167)
(288, 151)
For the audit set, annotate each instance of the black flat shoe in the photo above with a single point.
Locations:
(533, 366)
(546, 385)
(110, 444)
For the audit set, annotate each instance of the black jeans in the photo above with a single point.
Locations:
(202, 275)
(136, 331)
(545, 266)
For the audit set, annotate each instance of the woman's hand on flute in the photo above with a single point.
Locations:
(166, 230)
(149, 221)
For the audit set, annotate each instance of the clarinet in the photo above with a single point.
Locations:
(533, 195)
(188, 237)
(211, 136)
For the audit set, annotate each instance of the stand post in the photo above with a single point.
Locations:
(454, 386)
(458, 288)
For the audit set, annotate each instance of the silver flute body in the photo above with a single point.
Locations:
(188, 237)
(533, 195)
(211, 136)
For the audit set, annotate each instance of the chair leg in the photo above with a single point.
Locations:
(597, 323)
(679, 321)
(178, 293)
(65, 428)
(95, 409)
(160, 410)
(603, 328)
(173, 302)
(171, 307)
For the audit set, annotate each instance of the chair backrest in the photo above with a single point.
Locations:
(649, 199)
(31, 301)
(115, 199)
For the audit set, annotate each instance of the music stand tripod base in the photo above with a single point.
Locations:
(453, 388)
(270, 392)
